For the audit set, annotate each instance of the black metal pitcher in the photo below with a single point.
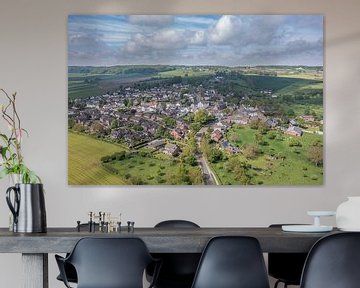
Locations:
(28, 208)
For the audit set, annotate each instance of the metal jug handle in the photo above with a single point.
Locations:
(13, 208)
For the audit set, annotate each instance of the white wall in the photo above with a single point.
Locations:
(33, 62)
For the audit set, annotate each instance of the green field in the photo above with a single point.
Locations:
(159, 169)
(84, 165)
(309, 76)
(83, 85)
(276, 162)
(300, 109)
(95, 81)
(186, 72)
(278, 84)
(79, 89)
(302, 85)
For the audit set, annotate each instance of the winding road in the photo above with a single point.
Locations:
(208, 175)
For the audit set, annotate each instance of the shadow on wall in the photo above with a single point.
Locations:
(345, 39)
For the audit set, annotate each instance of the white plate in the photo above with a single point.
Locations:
(321, 213)
(306, 228)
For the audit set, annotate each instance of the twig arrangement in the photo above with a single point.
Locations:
(12, 161)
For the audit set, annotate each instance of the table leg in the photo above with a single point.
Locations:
(35, 270)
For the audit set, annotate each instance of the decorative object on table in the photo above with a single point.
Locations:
(101, 221)
(195, 100)
(28, 208)
(131, 226)
(348, 214)
(316, 227)
(27, 202)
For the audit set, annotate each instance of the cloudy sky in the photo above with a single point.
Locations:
(231, 40)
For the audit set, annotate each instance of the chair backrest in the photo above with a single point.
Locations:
(232, 262)
(110, 262)
(333, 262)
(286, 267)
(178, 269)
(176, 224)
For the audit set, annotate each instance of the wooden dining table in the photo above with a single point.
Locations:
(35, 247)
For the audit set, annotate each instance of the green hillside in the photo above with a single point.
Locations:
(272, 82)
(85, 81)
(84, 165)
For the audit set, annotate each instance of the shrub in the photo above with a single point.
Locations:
(314, 177)
(111, 169)
(120, 155)
(105, 159)
(294, 143)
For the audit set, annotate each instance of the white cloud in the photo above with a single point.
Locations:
(152, 20)
(198, 38)
(166, 39)
(195, 20)
(192, 40)
(85, 42)
(84, 48)
(225, 29)
(169, 38)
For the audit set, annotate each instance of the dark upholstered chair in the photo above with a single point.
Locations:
(70, 273)
(178, 269)
(286, 267)
(333, 262)
(232, 262)
(69, 269)
(108, 263)
(176, 224)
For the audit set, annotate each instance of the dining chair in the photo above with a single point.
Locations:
(108, 263)
(70, 271)
(333, 262)
(178, 269)
(232, 262)
(285, 267)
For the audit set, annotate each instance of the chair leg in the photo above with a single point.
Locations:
(279, 281)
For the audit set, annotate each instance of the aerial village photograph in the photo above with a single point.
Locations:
(195, 100)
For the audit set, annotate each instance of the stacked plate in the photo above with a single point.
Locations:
(316, 227)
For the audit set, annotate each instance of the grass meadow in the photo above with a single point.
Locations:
(268, 168)
(84, 165)
(160, 169)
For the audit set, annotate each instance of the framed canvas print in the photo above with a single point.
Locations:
(195, 99)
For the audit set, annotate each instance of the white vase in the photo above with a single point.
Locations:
(14, 179)
(348, 215)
